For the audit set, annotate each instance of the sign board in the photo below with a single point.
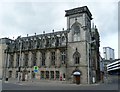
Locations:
(35, 69)
(76, 73)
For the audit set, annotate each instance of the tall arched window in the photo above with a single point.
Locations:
(63, 40)
(76, 57)
(53, 41)
(76, 32)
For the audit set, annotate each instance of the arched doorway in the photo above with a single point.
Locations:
(76, 76)
(24, 75)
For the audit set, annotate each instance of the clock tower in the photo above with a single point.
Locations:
(79, 26)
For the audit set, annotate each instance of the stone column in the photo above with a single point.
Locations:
(48, 59)
(38, 59)
(54, 74)
(15, 59)
(30, 59)
(21, 75)
(30, 74)
(40, 73)
(22, 60)
(8, 60)
(14, 73)
(49, 74)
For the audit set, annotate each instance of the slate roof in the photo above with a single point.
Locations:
(78, 10)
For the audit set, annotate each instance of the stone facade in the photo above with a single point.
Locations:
(3, 45)
(58, 54)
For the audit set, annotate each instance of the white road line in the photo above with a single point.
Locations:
(20, 84)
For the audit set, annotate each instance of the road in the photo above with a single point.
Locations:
(111, 85)
(49, 86)
(0, 85)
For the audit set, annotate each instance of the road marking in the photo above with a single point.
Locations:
(96, 84)
(6, 81)
(20, 84)
(17, 83)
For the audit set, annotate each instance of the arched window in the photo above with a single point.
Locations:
(76, 29)
(44, 42)
(76, 32)
(76, 57)
(63, 40)
(53, 41)
(26, 60)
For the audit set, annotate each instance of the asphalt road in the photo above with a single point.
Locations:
(112, 85)
(0, 85)
(49, 86)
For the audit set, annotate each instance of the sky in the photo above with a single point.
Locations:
(22, 17)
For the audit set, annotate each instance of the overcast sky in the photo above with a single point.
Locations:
(22, 17)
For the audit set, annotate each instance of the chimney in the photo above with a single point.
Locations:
(53, 30)
(43, 32)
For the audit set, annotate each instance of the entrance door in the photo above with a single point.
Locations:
(23, 76)
(77, 76)
(77, 79)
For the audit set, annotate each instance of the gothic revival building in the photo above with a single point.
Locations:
(68, 55)
(4, 42)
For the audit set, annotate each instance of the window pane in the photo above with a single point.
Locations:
(16, 74)
(47, 74)
(76, 29)
(52, 74)
(42, 74)
(63, 57)
(43, 59)
(33, 74)
(53, 58)
(57, 74)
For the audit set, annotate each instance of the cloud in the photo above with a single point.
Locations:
(29, 17)
(32, 17)
(110, 41)
(106, 19)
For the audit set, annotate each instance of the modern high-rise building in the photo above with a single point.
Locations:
(68, 55)
(108, 53)
(108, 57)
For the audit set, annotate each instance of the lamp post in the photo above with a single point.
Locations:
(1, 62)
(19, 62)
(89, 54)
(5, 64)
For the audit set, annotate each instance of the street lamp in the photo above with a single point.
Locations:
(19, 62)
(89, 51)
(5, 64)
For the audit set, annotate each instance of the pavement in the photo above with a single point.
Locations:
(37, 82)
(0, 85)
(59, 85)
(42, 85)
(46, 85)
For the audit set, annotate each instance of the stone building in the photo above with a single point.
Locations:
(95, 54)
(66, 55)
(3, 45)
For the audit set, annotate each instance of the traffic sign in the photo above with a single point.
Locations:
(35, 69)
